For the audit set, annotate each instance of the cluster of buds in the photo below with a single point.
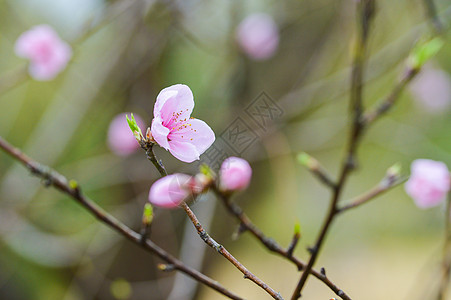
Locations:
(170, 191)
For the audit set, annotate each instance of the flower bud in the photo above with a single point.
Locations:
(235, 174)
(120, 139)
(429, 182)
(258, 36)
(170, 190)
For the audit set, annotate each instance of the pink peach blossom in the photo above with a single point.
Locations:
(258, 36)
(173, 129)
(170, 190)
(432, 90)
(120, 139)
(429, 182)
(235, 174)
(47, 53)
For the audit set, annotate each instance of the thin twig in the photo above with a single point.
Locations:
(223, 251)
(390, 100)
(271, 244)
(365, 14)
(59, 182)
(431, 11)
(446, 261)
(379, 189)
(313, 165)
(293, 243)
(157, 163)
(205, 236)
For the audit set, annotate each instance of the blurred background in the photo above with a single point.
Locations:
(124, 53)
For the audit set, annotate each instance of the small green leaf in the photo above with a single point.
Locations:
(134, 127)
(395, 170)
(73, 184)
(147, 214)
(297, 229)
(304, 159)
(424, 51)
(206, 170)
(307, 161)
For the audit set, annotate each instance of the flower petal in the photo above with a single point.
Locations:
(170, 190)
(174, 104)
(160, 133)
(184, 151)
(195, 132)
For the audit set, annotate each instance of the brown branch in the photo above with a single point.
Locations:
(365, 14)
(148, 147)
(313, 165)
(271, 244)
(385, 185)
(431, 11)
(203, 233)
(446, 261)
(366, 10)
(390, 100)
(223, 251)
(59, 182)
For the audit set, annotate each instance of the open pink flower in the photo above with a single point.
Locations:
(258, 36)
(429, 182)
(170, 190)
(173, 129)
(48, 54)
(120, 139)
(235, 174)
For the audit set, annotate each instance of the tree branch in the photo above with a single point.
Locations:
(271, 244)
(365, 14)
(446, 261)
(223, 251)
(203, 233)
(379, 189)
(72, 189)
(390, 100)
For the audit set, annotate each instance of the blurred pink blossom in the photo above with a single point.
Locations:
(173, 129)
(48, 54)
(258, 36)
(235, 174)
(170, 190)
(432, 90)
(429, 182)
(120, 138)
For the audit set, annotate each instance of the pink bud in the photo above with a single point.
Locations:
(120, 138)
(48, 54)
(235, 174)
(170, 190)
(258, 36)
(429, 182)
(432, 90)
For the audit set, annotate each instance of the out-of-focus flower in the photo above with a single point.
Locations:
(173, 129)
(429, 182)
(120, 139)
(235, 174)
(432, 90)
(47, 53)
(258, 36)
(171, 190)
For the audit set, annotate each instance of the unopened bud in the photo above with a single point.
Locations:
(307, 161)
(147, 214)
